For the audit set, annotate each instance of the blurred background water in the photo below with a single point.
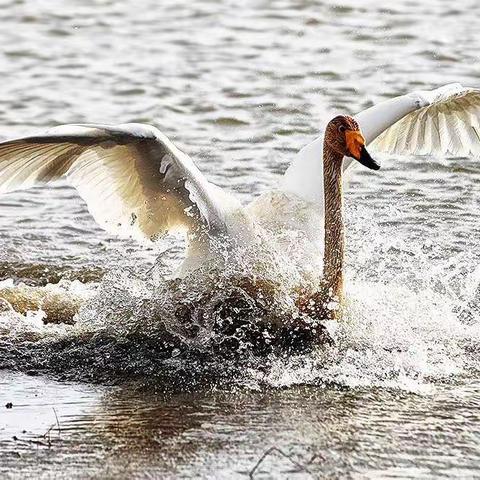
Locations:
(242, 86)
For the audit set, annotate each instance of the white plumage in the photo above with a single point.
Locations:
(448, 124)
(134, 180)
(137, 183)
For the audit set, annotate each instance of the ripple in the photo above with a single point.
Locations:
(229, 121)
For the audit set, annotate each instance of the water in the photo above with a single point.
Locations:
(241, 88)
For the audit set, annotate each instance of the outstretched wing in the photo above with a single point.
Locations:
(135, 182)
(445, 121)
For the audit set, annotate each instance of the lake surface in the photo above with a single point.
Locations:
(241, 87)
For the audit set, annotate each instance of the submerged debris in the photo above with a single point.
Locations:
(299, 466)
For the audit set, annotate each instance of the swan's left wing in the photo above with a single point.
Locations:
(445, 121)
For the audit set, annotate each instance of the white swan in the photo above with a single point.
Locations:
(137, 183)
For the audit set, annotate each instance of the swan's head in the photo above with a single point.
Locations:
(344, 136)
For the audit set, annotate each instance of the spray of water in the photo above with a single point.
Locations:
(411, 322)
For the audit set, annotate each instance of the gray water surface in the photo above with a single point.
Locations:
(116, 433)
(241, 86)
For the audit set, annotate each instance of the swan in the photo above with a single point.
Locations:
(137, 183)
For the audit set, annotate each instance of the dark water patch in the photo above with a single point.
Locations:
(229, 121)
(59, 32)
(167, 364)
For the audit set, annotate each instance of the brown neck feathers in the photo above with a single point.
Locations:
(334, 228)
(326, 302)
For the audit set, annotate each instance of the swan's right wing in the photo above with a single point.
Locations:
(135, 182)
(445, 122)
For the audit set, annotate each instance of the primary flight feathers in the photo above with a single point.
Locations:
(449, 124)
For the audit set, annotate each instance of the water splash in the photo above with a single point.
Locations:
(411, 323)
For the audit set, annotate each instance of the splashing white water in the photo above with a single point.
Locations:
(411, 319)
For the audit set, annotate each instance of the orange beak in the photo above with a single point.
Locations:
(355, 142)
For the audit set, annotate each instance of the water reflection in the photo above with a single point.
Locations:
(129, 431)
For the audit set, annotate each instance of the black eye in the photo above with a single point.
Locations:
(341, 128)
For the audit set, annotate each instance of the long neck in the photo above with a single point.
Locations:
(334, 228)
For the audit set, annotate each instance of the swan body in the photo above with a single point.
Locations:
(137, 183)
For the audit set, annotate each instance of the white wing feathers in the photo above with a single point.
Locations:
(444, 122)
(134, 180)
